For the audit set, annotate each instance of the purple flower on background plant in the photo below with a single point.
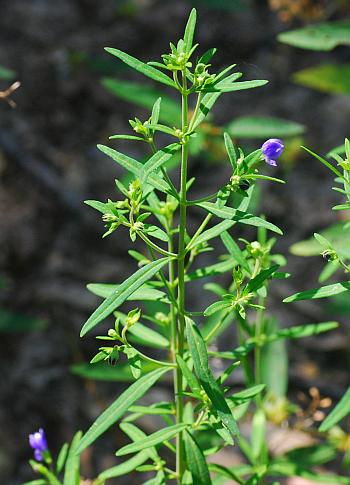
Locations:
(271, 150)
(38, 442)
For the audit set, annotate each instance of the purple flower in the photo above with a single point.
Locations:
(38, 442)
(271, 150)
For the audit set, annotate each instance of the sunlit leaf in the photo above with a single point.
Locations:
(124, 291)
(153, 439)
(119, 407)
(140, 66)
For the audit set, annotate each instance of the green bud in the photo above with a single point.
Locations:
(133, 317)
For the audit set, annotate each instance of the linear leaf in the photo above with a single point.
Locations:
(134, 167)
(62, 456)
(125, 137)
(228, 87)
(259, 280)
(153, 439)
(159, 159)
(199, 355)
(126, 289)
(188, 375)
(126, 467)
(189, 30)
(72, 468)
(231, 152)
(196, 461)
(119, 407)
(136, 434)
(211, 233)
(323, 292)
(238, 216)
(124, 161)
(301, 331)
(217, 306)
(341, 410)
(325, 162)
(208, 102)
(234, 250)
(97, 205)
(104, 290)
(140, 66)
(247, 394)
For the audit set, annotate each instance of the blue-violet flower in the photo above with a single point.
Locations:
(271, 150)
(38, 442)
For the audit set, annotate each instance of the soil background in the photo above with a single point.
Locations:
(51, 243)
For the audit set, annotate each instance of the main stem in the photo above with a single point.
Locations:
(180, 459)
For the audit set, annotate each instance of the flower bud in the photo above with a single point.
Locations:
(271, 150)
(38, 442)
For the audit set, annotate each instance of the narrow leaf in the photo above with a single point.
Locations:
(260, 279)
(62, 457)
(189, 30)
(228, 87)
(104, 290)
(196, 461)
(140, 66)
(341, 410)
(72, 468)
(158, 159)
(211, 233)
(199, 355)
(126, 467)
(234, 250)
(238, 216)
(123, 292)
(153, 439)
(231, 152)
(119, 407)
(323, 292)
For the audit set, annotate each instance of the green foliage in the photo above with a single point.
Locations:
(319, 37)
(329, 78)
(6, 74)
(261, 127)
(206, 410)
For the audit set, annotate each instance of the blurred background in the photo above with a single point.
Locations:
(51, 243)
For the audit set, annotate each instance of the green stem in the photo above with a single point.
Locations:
(248, 375)
(155, 246)
(258, 332)
(180, 459)
(193, 119)
(199, 231)
(203, 199)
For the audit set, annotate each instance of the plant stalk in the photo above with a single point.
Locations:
(180, 458)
